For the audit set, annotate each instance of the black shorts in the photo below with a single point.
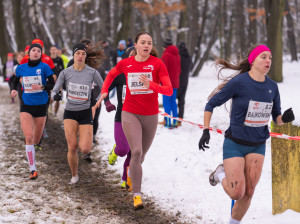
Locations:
(34, 110)
(82, 116)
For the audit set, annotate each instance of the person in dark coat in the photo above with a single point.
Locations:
(171, 59)
(186, 62)
(108, 54)
(8, 71)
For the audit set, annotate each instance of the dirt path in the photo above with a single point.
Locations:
(97, 198)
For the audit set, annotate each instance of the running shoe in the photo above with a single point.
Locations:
(128, 182)
(74, 180)
(137, 202)
(123, 185)
(38, 147)
(34, 175)
(213, 177)
(87, 157)
(112, 157)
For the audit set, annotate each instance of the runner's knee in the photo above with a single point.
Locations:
(85, 149)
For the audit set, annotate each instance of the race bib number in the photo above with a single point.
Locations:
(258, 114)
(123, 93)
(78, 92)
(28, 81)
(137, 87)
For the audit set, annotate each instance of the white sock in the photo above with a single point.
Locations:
(221, 176)
(137, 194)
(234, 221)
(30, 152)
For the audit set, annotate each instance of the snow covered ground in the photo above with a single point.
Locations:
(176, 173)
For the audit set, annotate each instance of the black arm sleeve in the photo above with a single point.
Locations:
(71, 62)
(50, 83)
(55, 71)
(16, 82)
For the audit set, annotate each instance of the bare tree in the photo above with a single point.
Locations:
(252, 16)
(126, 17)
(240, 30)
(274, 17)
(290, 32)
(3, 38)
(19, 28)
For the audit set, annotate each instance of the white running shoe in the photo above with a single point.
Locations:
(213, 177)
(74, 180)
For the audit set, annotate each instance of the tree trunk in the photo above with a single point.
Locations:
(274, 16)
(124, 32)
(229, 37)
(240, 30)
(19, 29)
(193, 15)
(291, 32)
(201, 34)
(252, 30)
(3, 42)
(156, 30)
(214, 36)
(104, 20)
(182, 24)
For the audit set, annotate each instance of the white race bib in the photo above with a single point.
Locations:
(123, 93)
(137, 87)
(28, 81)
(258, 114)
(78, 92)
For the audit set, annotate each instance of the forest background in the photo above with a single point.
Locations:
(210, 28)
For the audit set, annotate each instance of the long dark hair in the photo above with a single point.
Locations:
(93, 57)
(242, 66)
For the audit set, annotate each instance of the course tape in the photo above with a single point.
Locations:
(272, 134)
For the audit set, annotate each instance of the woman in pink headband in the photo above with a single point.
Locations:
(255, 98)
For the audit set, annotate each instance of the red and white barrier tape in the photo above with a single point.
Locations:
(272, 134)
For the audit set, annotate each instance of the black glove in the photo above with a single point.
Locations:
(288, 116)
(57, 97)
(204, 139)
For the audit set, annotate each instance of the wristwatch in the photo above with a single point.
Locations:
(42, 87)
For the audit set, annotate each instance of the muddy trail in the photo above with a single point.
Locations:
(97, 198)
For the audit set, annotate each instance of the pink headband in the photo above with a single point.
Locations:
(256, 51)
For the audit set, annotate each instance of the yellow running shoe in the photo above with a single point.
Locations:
(128, 182)
(112, 157)
(123, 185)
(137, 202)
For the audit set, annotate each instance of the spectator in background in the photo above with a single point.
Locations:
(58, 62)
(186, 62)
(119, 54)
(62, 54)
(108, 54)
(19, 56)
(171, 59)
(129, 43)
(8, 72)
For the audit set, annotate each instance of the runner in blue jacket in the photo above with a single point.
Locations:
(255, 98)
(37, 79)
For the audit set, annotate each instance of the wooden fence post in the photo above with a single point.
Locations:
(285, 169)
